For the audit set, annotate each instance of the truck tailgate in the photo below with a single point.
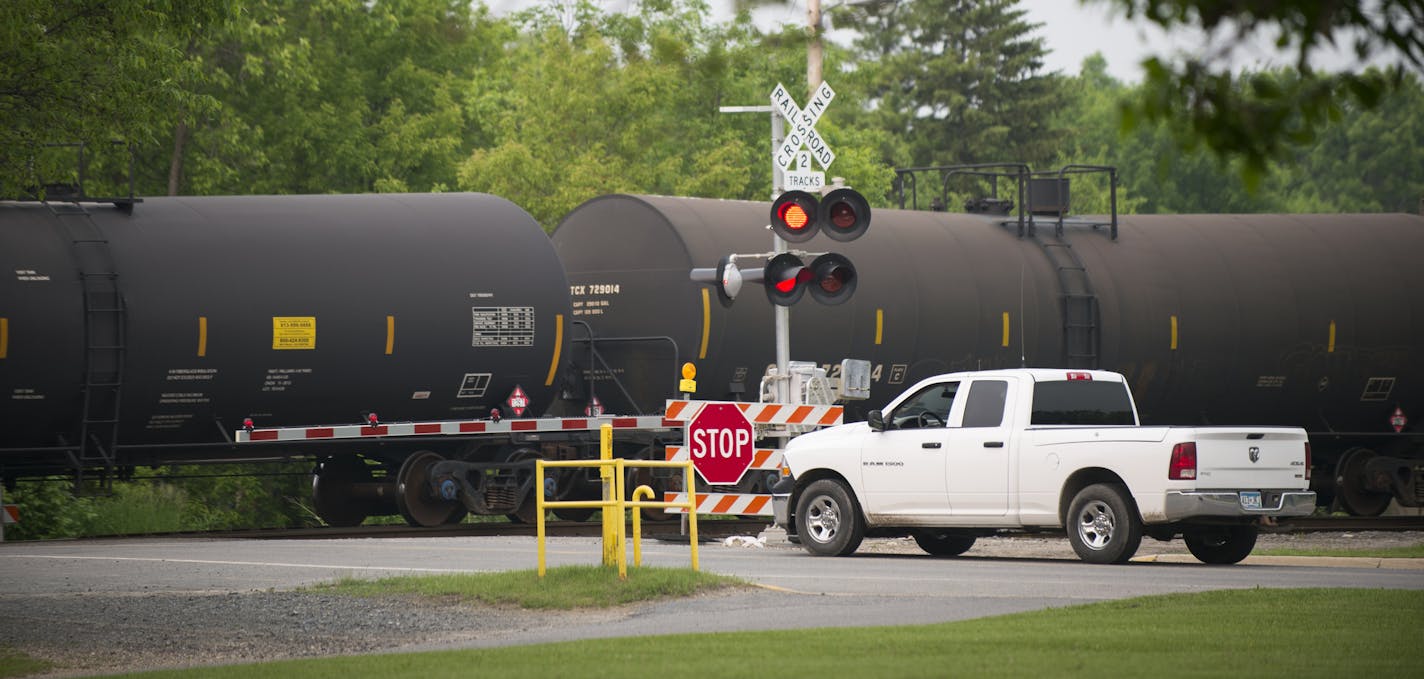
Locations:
(1256, 458)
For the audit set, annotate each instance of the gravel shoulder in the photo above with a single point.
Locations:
(89, 633)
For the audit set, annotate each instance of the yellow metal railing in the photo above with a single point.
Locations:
(614, 506)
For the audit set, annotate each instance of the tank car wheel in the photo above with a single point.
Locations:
(943, 542)
(414, 499)
(332, 496)
(1221, 544)
(828, 519)
(1102, 524)
(528, 512)
(1350, 490)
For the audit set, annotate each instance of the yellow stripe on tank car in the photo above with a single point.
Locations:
(879, 326)
(1331, 348)
(706, 322)
(1174, 333)
(1006, 329)
(202, 336)
(4, 337)
(390, 335)
(558, 347)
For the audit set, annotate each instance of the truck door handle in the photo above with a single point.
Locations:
(930, 444)
(993, 444)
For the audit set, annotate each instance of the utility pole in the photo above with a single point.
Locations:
(813, 47)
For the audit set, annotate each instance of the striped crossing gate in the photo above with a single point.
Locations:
(764, 459)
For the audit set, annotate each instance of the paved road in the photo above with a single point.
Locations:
(804, 591)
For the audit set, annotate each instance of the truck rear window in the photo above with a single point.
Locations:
(1081, 402)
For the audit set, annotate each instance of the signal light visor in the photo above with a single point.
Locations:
(834, 278)
(844, 215)
(785, 278)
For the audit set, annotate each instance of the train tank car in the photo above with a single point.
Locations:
(149, 335)
(1309, 320)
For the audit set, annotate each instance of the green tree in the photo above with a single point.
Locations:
(95, 71)
(1371, 160)
(329, 96)
(1259, 119)
(960, 81)
(600, 104)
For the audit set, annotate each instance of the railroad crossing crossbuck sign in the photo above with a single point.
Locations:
(719, 440)
(803, 134)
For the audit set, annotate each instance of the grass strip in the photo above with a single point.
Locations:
(14, 663)
(562, 588)
(1407, 552)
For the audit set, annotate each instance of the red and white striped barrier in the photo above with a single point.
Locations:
(763, 413)
(737, 504)
(768, 459)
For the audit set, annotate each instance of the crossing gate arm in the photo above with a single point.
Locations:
(453, 428)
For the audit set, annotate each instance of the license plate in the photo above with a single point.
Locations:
(1250, 499)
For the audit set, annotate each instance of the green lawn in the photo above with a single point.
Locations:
(1258, 633)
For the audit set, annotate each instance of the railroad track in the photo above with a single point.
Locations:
(708, 529)
(1312, 524)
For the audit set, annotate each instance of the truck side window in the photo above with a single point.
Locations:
(928, 408)
(985, 407)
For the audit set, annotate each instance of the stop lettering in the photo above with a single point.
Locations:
(719, 440)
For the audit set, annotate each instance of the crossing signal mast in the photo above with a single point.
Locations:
(797, 215)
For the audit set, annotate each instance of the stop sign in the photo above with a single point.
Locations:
(719, 440)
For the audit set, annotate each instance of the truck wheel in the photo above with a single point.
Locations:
(1103, 526)
(828, 520)
(943, 542)
(1221, 544)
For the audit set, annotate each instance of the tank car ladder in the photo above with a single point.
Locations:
(104, 348)
(1079, 302)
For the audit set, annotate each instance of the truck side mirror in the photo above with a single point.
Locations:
(876, 420)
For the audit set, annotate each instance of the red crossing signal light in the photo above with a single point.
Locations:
(785, 278)
(794, 216)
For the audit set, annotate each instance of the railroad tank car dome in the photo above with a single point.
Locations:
(1309, 320)
(286, 309)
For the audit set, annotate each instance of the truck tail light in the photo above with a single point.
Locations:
(1183, 466)
(1307, 460)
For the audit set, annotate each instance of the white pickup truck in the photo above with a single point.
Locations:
(971, 454)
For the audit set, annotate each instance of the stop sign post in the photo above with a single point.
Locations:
(719, 441)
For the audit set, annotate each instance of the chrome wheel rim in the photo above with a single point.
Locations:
(1095, 524)
(822, 519)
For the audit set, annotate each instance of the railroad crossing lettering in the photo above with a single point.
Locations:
(803, 129)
